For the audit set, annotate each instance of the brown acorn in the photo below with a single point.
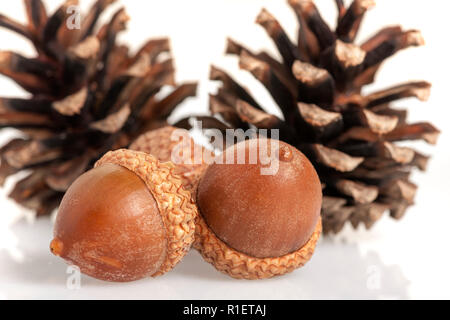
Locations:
(253, 225)
(126, 219)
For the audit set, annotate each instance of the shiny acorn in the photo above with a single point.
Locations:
(126, 219)
(256, 225)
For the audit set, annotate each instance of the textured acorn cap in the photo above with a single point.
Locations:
(175, 204)
(174, 144)
(241, 266)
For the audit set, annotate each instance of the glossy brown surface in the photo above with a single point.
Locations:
(109, 225)
(261, 215)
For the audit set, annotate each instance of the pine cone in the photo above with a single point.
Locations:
(88, 95)
(350, 137)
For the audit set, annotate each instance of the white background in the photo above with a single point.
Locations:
(409, 259)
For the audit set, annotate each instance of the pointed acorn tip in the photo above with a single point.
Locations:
(56, 247)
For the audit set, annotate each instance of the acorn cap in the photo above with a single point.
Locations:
(178, 212)
(174, 144)
(242, 266)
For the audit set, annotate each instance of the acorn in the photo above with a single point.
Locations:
(176, 145)
(258, 218)
(126, 219)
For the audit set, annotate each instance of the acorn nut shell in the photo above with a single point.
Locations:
(126, 219)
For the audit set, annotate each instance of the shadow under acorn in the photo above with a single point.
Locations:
(337, 270)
